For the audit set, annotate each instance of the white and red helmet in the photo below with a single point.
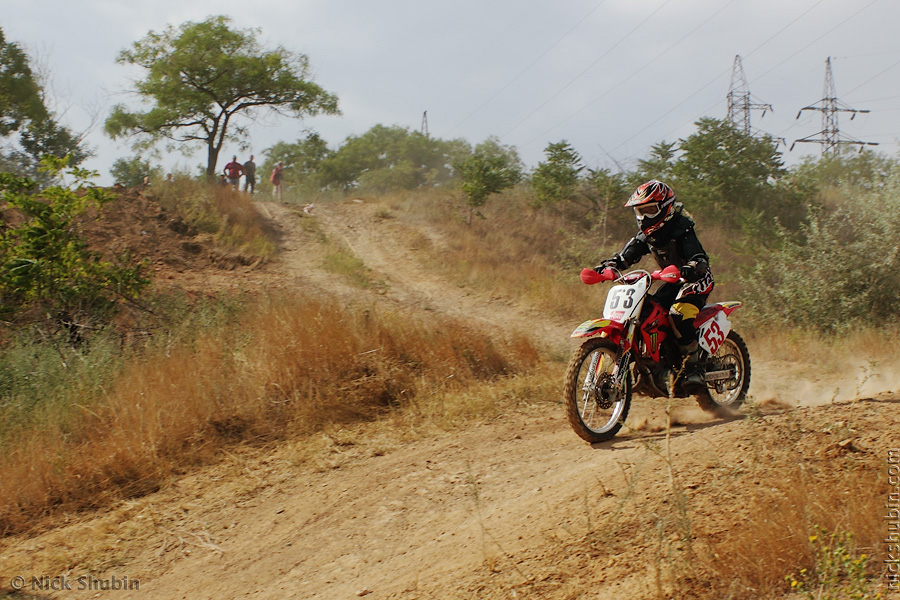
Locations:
(653, 204)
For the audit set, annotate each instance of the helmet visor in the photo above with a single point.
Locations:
(651, 209)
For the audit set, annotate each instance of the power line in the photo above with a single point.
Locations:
(779, 137)
(716, 78)
(875, 77)
(880, 99)
(817, 39)
(867, 55)
(523, 71)
(483, 53)
(618, 85)
(581, 74)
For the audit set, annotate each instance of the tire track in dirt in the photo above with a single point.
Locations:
(386, 247)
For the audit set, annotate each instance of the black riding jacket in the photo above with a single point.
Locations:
(675, 243)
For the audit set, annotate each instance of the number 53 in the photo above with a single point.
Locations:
(714, 336)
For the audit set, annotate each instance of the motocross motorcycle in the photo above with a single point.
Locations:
(633, 349)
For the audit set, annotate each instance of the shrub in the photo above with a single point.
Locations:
(839, 269)
(45, 264)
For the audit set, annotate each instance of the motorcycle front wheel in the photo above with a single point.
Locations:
(596, 408)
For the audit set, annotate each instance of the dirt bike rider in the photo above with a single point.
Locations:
(668, 233)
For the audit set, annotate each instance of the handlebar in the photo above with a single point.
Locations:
(591, 276)
(670, 274)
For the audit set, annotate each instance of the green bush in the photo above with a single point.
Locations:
(839, 269)
(46, 266)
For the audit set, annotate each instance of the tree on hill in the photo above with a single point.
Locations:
(735, 178)
(200, 77)
(491, 169)
(20, 94)
(557, 179)
(721, 165)
(130, 172)
(658, 166)
(865, 170)
(302, 160)
(393, 157)
(564, 182)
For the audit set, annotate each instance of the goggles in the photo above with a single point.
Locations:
(651, 209)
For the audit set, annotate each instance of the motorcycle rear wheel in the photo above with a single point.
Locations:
(723, 398)
(595, 409)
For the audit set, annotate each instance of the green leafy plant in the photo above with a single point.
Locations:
(490, 170)
(130, 172)
(23, 111)
(46, 265)
(833, 273)
(557, 178)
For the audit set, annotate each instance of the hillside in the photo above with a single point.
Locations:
(514, 506)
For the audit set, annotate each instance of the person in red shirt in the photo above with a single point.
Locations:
(233, 172)
(276, 178)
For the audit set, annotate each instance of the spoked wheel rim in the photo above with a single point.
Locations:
(728, 357)
(600, 408)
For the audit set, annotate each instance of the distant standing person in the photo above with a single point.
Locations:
(250, 175)
(276, 180)
(233, 172)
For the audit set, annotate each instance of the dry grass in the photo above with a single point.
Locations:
(790, 491)
(290, 367)
(515, 251)
(307, 371)
(536, 255)
(804, 368)
(798, 498)
(778, 539)
(228, 215)
(733, 529)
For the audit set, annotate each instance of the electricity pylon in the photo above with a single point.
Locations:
(831, 137)
(739, 104)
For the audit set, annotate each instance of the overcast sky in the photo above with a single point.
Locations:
(612, 77)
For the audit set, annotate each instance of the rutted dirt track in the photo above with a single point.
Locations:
(387, 249)
(486, 512)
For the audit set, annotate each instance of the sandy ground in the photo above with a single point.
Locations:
(486, 512)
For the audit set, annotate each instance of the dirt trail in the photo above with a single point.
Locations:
(387, 247)
(435, 518)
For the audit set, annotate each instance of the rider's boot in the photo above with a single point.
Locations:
(693, 379)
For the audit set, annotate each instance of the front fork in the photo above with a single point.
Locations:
(620, 371)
